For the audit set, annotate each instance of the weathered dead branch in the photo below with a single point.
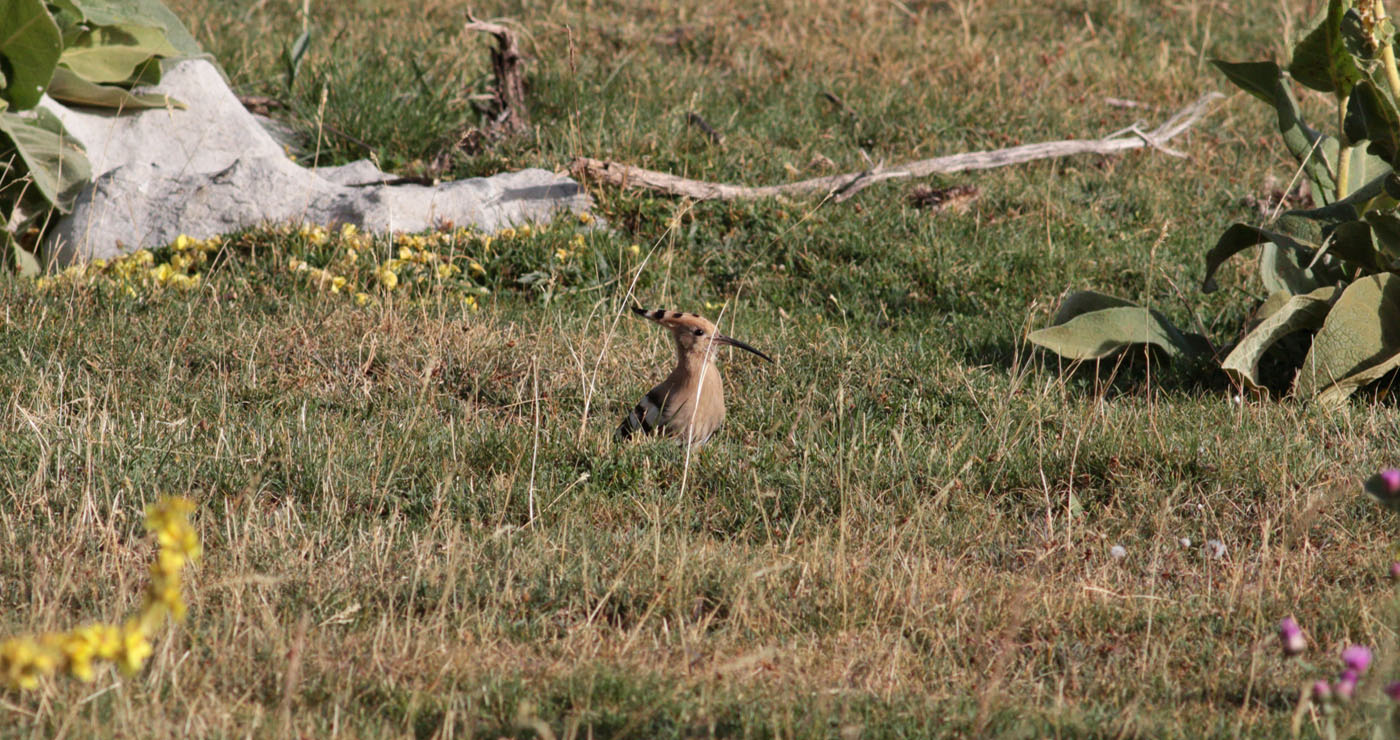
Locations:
(841, 187)
(508, 112)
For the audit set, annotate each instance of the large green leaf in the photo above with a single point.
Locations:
(1091, 326)
(1386, 227)
(1321, 60)
(1372, 117)
(29, 47)
(68, 87)
(139, 12)
(1297, 313)
(1358, 343)
(1240, 237)
(115, 53)
(1351, 207)
(1352, 242)
(1291, 271)
(55, 160)
(1265, 80)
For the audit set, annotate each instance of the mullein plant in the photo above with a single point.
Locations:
(27, 660)
(1331, 270)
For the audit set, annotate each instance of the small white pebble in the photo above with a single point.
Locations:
(1215, 549)
(1185, 541)
(1118, 552)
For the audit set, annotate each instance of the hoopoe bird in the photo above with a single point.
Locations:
(689, 403)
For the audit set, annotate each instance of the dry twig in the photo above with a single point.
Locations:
(509, 115)
(841, 187)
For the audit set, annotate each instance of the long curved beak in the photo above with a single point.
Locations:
(736, 343)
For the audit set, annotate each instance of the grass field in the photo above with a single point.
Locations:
(413, 528)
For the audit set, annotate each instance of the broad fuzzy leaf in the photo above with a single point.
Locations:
(30, 44)
(54, 159)
(1297, 313)
(115, 53)
(1372, 116)
(1264, 80)
(1091, 326)
(139, 12)
(1240, 237)
(1358, 343)
(68, 87)
(1351, 207)
(1291, 271)
(1321, 60)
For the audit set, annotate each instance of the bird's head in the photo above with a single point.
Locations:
(693, 333)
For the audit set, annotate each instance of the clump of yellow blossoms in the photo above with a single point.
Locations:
(140, 273)
(24, 661)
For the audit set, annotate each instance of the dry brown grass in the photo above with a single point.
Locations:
(904, 530)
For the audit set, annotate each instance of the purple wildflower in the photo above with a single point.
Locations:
(1322, 691)
(1290, 635)
(1357, 658)
(1393, 691)
(1346, 685)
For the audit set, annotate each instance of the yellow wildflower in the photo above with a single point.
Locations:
(561, 254)
(361, 299)
(99, 264)
(80, 647)
(585, 218)
(182, 242)
(337, 283)
(348, 230)
(471, 302)
(23, 662)
(635, 249)
(486, 243)
(144, 257)
(181, 262)
(388, 278)
(134, 647)
(476, 267)
(162, 274)
(523, 230)
(405, 253)
(577, 241)
(447, 270)
(506, 233)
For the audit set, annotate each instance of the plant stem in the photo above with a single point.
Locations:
(1388, 55)
(1344, 148)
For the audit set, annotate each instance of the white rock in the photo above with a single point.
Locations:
(212, 168)
(1118, 552)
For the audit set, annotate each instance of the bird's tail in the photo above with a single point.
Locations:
(643, 418)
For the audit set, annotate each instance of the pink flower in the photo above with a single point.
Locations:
(1357, 658)
(1346, 685)
(1321, 691)
(1385, 486)
(1395, 572)
(1393, 690)
(1290, 635)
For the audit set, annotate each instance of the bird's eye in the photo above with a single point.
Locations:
(699, 332)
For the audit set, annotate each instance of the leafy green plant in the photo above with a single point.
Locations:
(1336, 271)
(83, 53)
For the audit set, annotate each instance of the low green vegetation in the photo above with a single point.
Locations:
(414, 517)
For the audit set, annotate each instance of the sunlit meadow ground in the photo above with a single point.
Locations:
(413, 528)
